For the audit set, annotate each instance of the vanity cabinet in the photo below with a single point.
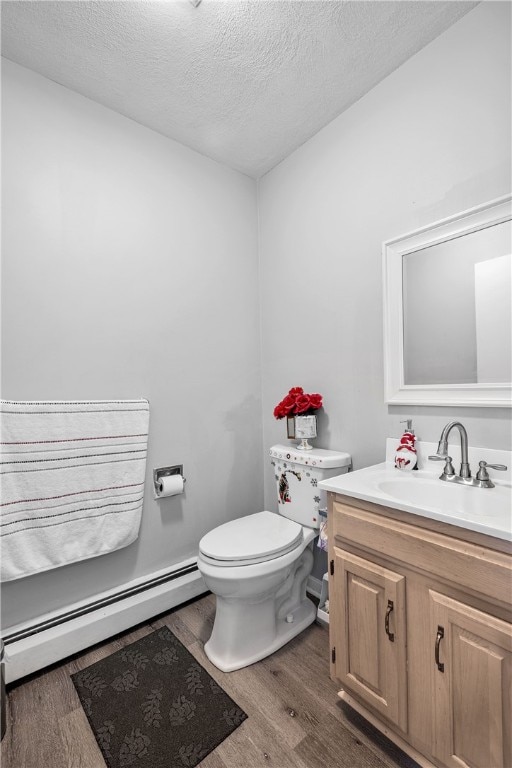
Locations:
(421, 632)
(370, 622)
(472, 685)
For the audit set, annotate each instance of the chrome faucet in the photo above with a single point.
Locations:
(482, 479)
(442, 453)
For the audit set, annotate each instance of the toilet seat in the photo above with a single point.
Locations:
(249, 540)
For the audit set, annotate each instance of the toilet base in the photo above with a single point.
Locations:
(303, 616)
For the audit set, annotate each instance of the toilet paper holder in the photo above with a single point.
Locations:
(160, 472)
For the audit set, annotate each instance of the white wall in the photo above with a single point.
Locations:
(430, 140)
(129, 269)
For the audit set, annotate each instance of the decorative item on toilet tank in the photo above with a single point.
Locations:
(299, 409)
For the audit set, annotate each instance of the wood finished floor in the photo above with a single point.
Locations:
(295, 717)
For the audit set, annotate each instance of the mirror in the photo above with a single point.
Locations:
(448, 310)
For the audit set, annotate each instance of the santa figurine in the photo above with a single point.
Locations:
(405, 455)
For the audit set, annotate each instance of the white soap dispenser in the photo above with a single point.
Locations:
(406, 457)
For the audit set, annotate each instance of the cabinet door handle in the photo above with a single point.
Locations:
(439, 637)
(391, 635)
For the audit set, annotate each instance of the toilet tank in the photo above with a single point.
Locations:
(297, 476)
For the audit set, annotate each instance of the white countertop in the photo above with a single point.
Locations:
(486, 510)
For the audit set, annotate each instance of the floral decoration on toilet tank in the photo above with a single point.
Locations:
(299, 409)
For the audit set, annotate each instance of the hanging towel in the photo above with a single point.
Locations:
(72, 480)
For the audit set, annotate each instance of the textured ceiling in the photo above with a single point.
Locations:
(244, 82)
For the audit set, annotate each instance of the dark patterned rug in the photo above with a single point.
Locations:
(151, 704)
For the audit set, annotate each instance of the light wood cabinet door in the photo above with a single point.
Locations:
(368, 630)
(471, 669)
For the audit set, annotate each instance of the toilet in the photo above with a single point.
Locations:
(257, 566)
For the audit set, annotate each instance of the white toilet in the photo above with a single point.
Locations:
(258, 566)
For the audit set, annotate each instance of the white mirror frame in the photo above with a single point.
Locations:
(393, 251)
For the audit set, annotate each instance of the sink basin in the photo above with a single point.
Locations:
(487, 510)
(452, 498)
(421, 491)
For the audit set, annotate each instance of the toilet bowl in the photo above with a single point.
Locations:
(257, 609)
(258, 566)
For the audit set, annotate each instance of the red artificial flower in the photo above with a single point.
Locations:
(288, 404)
(302, 404)
(279, 412)
(297, 402)
(315, 401)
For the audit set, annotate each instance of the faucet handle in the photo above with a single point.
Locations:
(448, 470)
(483, 474)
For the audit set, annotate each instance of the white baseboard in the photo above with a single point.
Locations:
(48, 645)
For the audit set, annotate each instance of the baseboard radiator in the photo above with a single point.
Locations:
(52, 637)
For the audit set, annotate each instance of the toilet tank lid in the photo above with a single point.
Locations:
(318, 457)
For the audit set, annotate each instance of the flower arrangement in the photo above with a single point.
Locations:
(297, 403)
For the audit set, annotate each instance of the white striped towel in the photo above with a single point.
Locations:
(72, 481)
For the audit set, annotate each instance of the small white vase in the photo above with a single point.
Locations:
(302, 427)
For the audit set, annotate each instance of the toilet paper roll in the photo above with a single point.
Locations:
(170, 485)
